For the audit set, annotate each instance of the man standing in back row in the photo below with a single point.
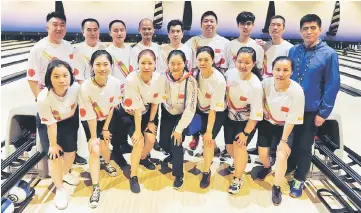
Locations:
(316, 69)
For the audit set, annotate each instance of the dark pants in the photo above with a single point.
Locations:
(117, 127)
(169, 122)
(301, 155)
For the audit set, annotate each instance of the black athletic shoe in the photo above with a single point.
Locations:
(262, 174)
(224, 155)
(168, 159)
(178, 182)
(206, 179)
(79, 160)
(134, 185)
(276, 195)
(157, 146)
(217, 151)
(147, 164)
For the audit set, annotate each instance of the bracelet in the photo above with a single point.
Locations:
(105, 130)
(152, 121)
(284, 140)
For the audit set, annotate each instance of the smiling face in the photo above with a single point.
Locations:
(209, 26)
(102, 66)
(91, 33)
(146, 29)
(118, 33)
(282, 70)
(244, 63)
(56, 28)
(60, 79)
(176, 66)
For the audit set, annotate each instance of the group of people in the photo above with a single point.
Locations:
(283, 91)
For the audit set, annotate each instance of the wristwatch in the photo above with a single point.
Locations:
(246, 134)
(152, 121)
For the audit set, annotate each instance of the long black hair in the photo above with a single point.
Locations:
(251, 51)
(181, 54)
(95, 55)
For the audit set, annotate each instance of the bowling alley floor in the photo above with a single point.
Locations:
(157, 194)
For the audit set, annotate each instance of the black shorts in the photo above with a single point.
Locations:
(268, 132)
(128, 123)
(233, 128)
(67, 133)
(218, 123)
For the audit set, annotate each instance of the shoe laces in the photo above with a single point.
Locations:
(297, 184)
(96, 194)
(236, 182)
(110, 168)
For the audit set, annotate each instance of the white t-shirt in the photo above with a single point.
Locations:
(176, 94)
(187, 51)
(121, 60)
(82, 56)
(138, 95)
(283, 107)
(244, 97)
(217, 43)
(233, 47)
(160, 64)
(41, 55)
(96, 102)
(211, 92)
(53, 109)
(271, 53)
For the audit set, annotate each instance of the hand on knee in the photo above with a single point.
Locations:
(94, 147)
(284, 149)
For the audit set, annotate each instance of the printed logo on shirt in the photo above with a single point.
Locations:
(155, 95)
(82, 112)
(216, 50)
(44, 119)
(259, 114)
(300, 118)
(31, 72)
(128, 102)
(71, 56)
(285, 109)
(220, 104)
(76, 71)
(111, 99)
(209, 96)
(56, 115)
(242, 98)
(131, 68)
(181, 96)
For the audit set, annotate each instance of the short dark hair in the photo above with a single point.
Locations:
(116, 21)
(56, 14)
(49, 71)
(311, 18)
(206, 49)
(251, 51)
(280, 17)
(88, 20)
(282, 58)
(175, 22)
(147, 51)
(145, 19)
(245, 16)
(209, 13)
(95, 55)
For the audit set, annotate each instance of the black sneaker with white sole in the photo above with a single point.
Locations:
(178, 182)
(147, 164)
(79, 160)
(235, 186)
(206, 179)
(94, 198)
(276, 195)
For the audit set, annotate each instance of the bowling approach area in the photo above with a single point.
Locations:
(336, 167)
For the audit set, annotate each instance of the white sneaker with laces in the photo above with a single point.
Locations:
(71, 179)
(61, 198)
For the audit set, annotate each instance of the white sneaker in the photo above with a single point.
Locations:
(71, 179)
(61, 198)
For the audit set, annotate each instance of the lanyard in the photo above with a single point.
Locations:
(308, 62)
